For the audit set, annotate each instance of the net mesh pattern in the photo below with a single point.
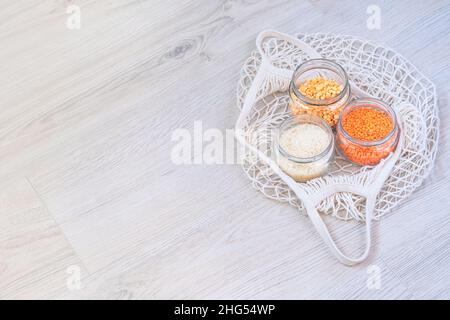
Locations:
(381, 73)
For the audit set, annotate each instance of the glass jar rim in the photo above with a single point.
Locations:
(330, 65)
(369, 103)
(303, 119)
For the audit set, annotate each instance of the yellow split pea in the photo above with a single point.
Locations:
(320, 88)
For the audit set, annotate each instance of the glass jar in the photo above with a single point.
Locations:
(315, 164)
(328, 109)
(363, 152)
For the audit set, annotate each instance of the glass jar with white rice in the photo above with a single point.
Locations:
(304, 147)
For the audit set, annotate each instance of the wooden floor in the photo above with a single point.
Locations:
(87, 183)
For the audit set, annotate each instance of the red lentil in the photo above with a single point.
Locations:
(369, 125)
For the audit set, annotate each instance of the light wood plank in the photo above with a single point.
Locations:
(34, 253)
(222, 257)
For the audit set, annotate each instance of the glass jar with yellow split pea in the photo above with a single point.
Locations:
(319, 87)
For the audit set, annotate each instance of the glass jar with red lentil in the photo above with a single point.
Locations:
(367, 131)
(319, 87)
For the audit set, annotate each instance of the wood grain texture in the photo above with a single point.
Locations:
(87, 116)
(35, 255)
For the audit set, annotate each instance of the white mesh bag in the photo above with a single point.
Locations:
(348, 191)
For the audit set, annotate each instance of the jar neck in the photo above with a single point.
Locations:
(293, 120)
(374, 103)
(317, 66)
